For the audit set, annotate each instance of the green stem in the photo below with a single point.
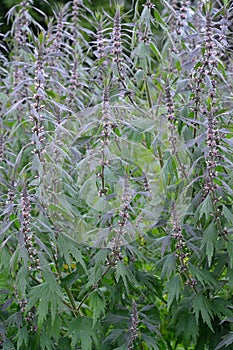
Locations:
(67, 290)
(72, 301)
(160, 157)
(148, 95)
(91, 288)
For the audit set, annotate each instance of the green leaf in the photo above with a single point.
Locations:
(210, 241)
(203, 275)
(67, 247)
(123, 272)
(206, 208)
(46, 342)
(70, 279)
(168, 264)
(202, 306)
(82, 332)
(156, 51)
(173, 289)
(97, 304)
(188, 327)
(22, 338)
(229, 245)
(43, 307)
(35, 295)
(227, 213)
(226, 341)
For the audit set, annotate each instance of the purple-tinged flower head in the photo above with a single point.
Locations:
(26, 226)
(133, 325)
(116, 37)
(181, 250)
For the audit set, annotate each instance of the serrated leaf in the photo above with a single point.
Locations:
(188, 327)
(35, 295)
(229, 245)
(226, 341)
(46, 342)
(168, 264)
(227, 213)
(42, 309)
(210, 241)
(97, 304)
(202, 306)
(206, 208)
(173, 289)
(82, 331)
(202, 275)
(22, 337)
(123, 272)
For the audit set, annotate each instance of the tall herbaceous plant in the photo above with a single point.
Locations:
(116, 175)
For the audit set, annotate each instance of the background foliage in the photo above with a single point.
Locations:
(116, 176)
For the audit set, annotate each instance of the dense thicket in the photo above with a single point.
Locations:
(116, 177)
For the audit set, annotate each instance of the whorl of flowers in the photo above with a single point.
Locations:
(133, 326)
(2, 146)
(100, 42)
(106, 127)
(117, 43)
(26, 229)
(38, 137)
(183, 11)
(21, 24)
(207, 66)
(75, 18)
(181, 250)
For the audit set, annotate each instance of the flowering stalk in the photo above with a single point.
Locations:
(183, 12)
(106, 120)
(117, 51)
(171, 118)
(75, 18)
(25, 227)
(181, 250)
(36, 108)
(213, 137)
(208, 64)
(19, 75)
(120, 231)
(57, 38)
(134, 326)
(2, 146)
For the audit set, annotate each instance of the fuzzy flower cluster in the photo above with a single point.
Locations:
(30, 317)
(134, 325)
(119, 238)
(107, 125)
(183, 12)
(75, 17)
(125, 206)
(169, 103)
(181, 250)
(21, 24)
(100, 43)
(26, 230)
(207, 67)
(213, 139)
(55, 47)
(117, 44)
(36, 108)
(2, 151)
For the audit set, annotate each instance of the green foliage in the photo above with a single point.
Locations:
(116, 176)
